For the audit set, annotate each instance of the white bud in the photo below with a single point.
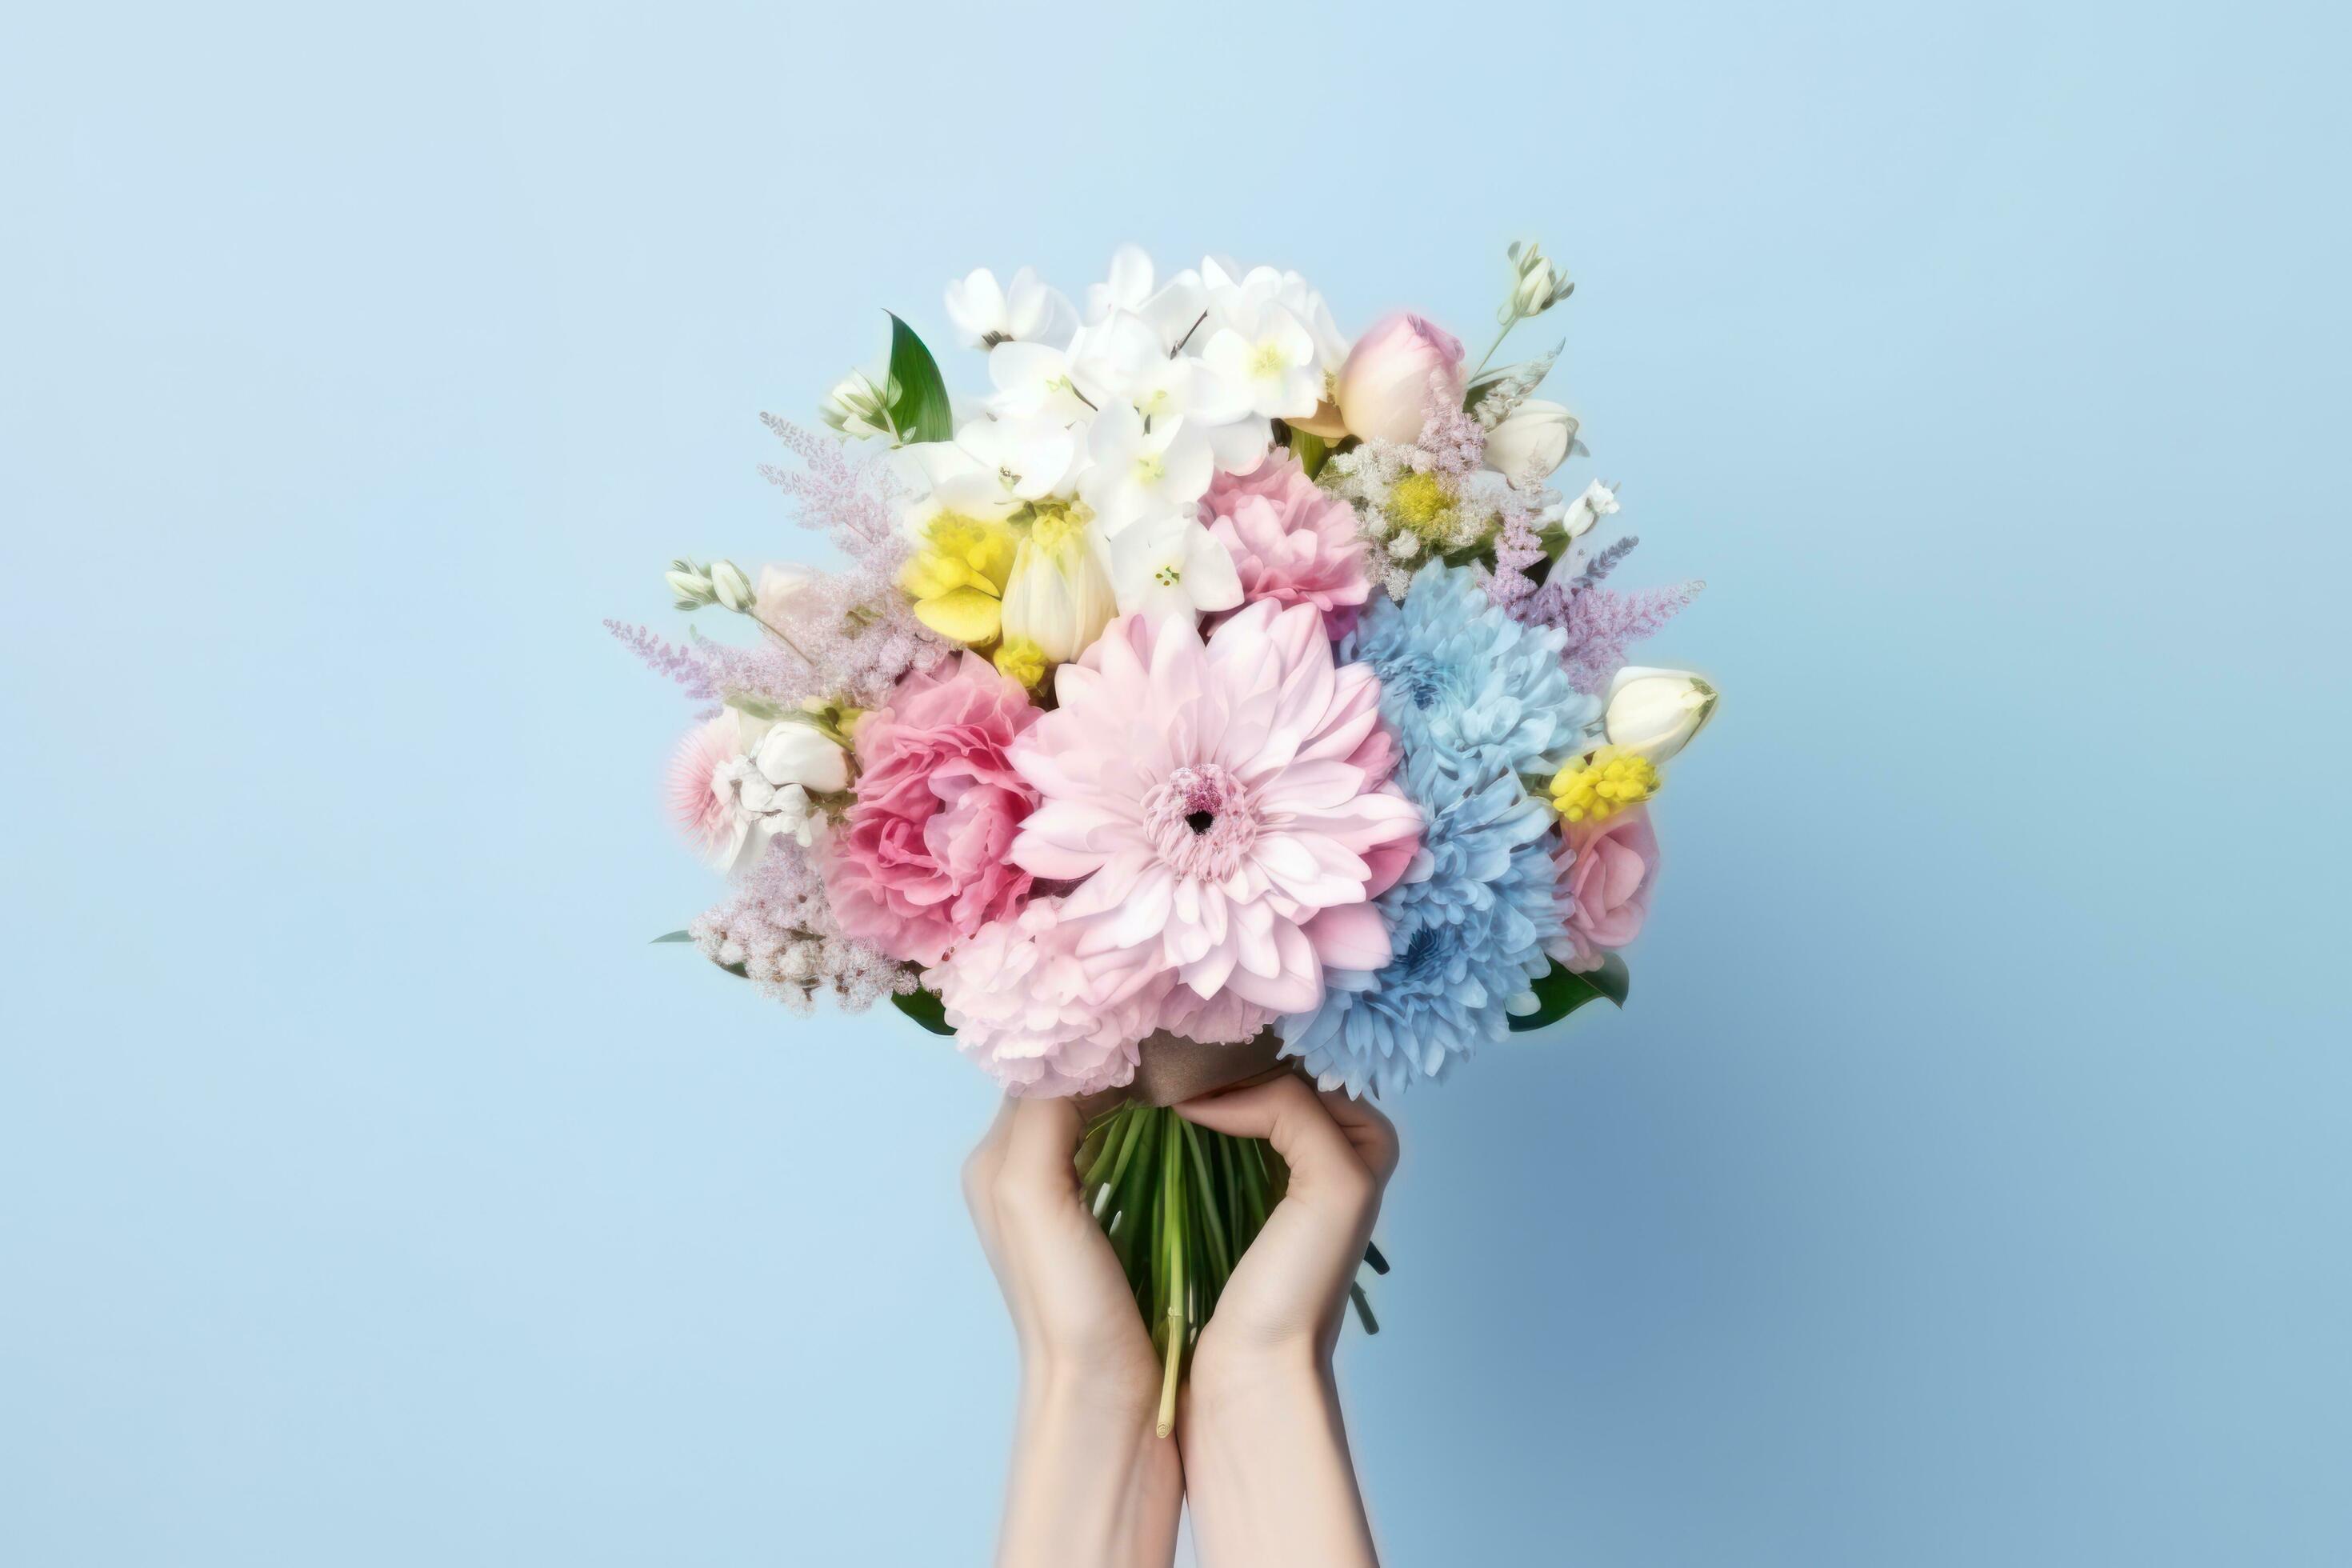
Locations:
(857, 409)
(1058, 597)
(1597, 502)
(1538, 286)
(1657, 711)
(729, 586)
(1533, 439)
(793, 753)
(691, 587)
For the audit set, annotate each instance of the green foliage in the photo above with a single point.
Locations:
(919, 396)
(1559, 993)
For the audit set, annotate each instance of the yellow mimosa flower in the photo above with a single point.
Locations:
(1599, 786)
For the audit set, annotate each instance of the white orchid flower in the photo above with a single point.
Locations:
(1171, 565)
(1264, 359)
(1130, 284)
(1034, 380)
(1123, 359)
(1029, 312)
(1032, 458)
(1138, 471)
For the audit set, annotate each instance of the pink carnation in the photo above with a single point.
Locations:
(1040, 1019)
(921, 858)
(1606, 871)
(1291, 543)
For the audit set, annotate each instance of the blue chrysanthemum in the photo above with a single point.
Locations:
(1464, 684)
(1469, 927)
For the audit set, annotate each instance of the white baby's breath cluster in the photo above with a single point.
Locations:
(778, 931)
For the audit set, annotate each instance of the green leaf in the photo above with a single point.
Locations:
(925, 1008)
(1310, 449)
(673, 936)
(1559, 993)
(919, 398)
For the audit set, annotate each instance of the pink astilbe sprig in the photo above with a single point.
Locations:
(1516, 547)
(1452, 442)
(853, 634)
(849, 500)
(778, 931)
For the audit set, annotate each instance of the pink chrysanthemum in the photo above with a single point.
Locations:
(701, 812)
(1291, 543)
(1218, 803)
(920, 857)
(1042, 1020)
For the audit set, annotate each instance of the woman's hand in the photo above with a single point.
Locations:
(1265, 1452)
(1090, 1484)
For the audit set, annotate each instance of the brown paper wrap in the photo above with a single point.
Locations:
(1174, 1068)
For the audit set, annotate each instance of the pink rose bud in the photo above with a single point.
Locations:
(1385, 387)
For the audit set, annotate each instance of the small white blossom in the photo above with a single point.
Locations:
(1028, 311)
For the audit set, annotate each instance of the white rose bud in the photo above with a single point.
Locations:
(1596, 503)
(797, 754)
(729, 586)
(1657, 711)
(1533, 439)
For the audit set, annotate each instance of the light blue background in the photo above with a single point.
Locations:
(1967, 1181)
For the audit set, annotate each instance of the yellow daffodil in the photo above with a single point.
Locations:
(957, 580)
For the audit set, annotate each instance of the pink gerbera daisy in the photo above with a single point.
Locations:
(1219, 805)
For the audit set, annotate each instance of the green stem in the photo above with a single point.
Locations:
(1492, 347)
(1220, 1254)
(1173, 1196)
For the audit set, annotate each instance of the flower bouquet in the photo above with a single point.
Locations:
(1211, 696)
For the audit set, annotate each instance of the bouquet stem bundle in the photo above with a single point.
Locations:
(1180, 1204)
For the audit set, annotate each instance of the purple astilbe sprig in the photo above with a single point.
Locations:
(1600, 622)
(1606, 562)
(688, 666)
(778, 931)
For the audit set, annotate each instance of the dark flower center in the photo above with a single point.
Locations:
(1200, 821)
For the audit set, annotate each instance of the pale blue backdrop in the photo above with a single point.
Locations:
(1967, 1183)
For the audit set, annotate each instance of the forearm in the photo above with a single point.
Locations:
(1267, 1472)
(1091, 1486)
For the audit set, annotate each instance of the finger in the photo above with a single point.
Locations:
(1367, 1131)
(1040, 1150)
(1286, 1113)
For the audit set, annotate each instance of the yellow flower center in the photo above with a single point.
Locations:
(1599, 786)
(1420, 502)
(1268, 361)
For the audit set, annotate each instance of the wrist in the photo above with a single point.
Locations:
(1266, 1468)
(1249, 1385)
